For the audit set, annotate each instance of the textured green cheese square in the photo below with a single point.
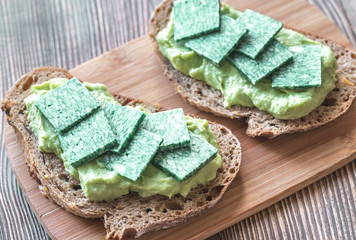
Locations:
(87, 139)
(135, 157)
(171, 126)
(274, 56)
(195, 17)
(216, 46)
(261, 30)
(67, 105)
(303, 71)
(184, 162)
(124, 121)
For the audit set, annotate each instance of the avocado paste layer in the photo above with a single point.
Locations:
(237, 90)
(100, 184)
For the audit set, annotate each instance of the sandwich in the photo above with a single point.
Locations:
(228, 82)
(53, 115)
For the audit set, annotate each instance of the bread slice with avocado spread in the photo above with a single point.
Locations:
(129, 215)
(260, 123)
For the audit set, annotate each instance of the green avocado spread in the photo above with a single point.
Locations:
(237, 90)
(100, 184)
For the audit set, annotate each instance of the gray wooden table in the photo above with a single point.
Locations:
(65, 33)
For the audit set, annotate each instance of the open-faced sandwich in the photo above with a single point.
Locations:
(105, 156)
(246, 65)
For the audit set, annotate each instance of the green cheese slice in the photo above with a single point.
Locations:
(67, 105)
(135, 157)
(273, 57)
(261, 30)
(171, 126)
(193, 18)
(184, 162)
(124, 121)
(303, 71)
(216, 46)
(87, 139)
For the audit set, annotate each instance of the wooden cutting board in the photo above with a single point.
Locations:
(271, 169)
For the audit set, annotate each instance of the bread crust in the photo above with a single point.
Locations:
(131, 215)
(261, 123)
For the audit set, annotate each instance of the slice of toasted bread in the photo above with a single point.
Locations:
(261, 123)
(131, 215)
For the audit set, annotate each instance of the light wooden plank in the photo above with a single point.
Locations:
(60, 225)
(39, 204)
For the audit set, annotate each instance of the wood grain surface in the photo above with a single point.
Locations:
(323, 210)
